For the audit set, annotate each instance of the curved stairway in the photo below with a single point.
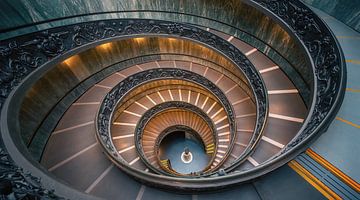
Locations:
(90, 98)
(287, 110)
(76, 129)
(125, 123)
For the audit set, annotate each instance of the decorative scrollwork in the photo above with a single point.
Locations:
(51, 44)
(140, 27)
(24, 185)
(90, 32)
(18, 59)
(22, 61)
(22, 55)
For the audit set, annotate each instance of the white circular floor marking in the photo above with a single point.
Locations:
(187, 159)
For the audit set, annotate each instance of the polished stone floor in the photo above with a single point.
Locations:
(341, 141)
(173, 146)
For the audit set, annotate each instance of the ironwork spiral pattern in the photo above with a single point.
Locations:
(22, 55)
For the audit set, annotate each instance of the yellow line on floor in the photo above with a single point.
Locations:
(334, 170)
(352, 90)
(348, 122)
(353, 61)
(316, 183)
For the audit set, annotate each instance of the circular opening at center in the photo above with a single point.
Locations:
(185, 151)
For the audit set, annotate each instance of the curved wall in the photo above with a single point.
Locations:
(61, 79)
(345, 11)
(304, 60)
(232, 17)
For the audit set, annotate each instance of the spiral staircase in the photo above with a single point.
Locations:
(90, 108)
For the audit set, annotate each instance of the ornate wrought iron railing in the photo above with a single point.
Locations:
(23, 55)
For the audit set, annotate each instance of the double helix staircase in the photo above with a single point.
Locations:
(286, 114)
(94, 102)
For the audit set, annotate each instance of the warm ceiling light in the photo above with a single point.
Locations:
(105, 46)
(140, 39)
(71, 60)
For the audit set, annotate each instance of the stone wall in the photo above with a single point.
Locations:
(346, 11)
